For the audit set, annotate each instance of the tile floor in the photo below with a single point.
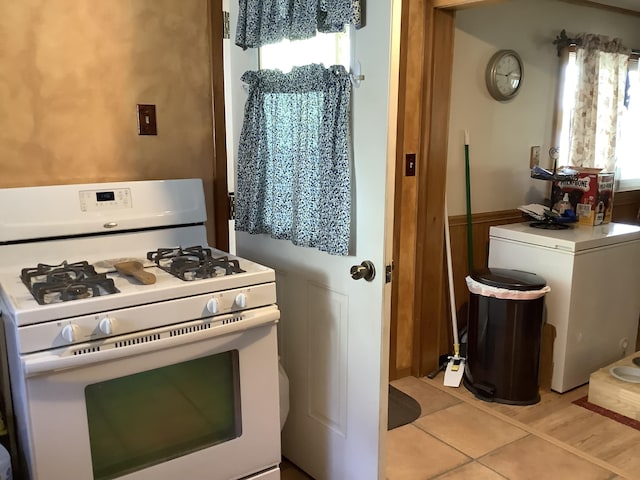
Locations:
(458, 437)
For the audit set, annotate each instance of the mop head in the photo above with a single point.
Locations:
(453, 373)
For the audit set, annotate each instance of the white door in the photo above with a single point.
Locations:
(334, 331)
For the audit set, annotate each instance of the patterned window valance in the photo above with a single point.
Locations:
(261, 22)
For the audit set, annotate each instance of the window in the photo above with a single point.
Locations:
(627, 159)
(325, 48)
(628, 164)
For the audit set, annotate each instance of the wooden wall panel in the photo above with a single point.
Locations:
(480, 225)
(626, 207)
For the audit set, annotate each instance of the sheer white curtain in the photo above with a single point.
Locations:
(601, 68)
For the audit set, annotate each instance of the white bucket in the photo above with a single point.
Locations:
(5, 464)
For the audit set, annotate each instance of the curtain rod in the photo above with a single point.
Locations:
(562, 41)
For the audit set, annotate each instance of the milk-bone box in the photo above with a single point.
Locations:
(590, 195)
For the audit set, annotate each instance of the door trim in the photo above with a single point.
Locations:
(427, 63)
(220, 207)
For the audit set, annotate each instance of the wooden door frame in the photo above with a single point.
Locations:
(220, 212)
(427, 36)
(431, 332)
(431, 327)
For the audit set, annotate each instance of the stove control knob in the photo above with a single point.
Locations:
(105, 326)
(241, 300)
(69, 332)
(212, 306)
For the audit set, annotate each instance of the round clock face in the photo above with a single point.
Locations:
(504, 75)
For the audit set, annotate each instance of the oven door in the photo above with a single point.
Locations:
(199, 403)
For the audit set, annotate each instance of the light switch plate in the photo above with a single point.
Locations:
(534, 158)
(410, 165)
(147, 120)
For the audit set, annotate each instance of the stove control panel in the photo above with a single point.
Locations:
(98, 326)
(101, 200)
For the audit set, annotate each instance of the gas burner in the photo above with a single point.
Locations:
(193, 263)
(65, 282)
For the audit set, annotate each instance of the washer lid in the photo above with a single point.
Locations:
(509, 279)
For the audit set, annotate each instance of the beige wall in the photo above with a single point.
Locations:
(71, 74)
(501, 134)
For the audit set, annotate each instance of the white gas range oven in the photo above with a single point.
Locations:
(112, 378)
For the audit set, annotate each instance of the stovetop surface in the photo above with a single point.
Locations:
(26, 310)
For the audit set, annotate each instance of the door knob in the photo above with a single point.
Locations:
(365, 270)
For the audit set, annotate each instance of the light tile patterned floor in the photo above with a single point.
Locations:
(512, 442)
(458, 437)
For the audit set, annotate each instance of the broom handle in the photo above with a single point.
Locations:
(468, 188)
(452, 295)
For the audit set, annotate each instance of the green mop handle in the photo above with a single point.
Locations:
(468, 185)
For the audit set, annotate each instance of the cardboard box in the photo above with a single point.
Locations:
(590, 195)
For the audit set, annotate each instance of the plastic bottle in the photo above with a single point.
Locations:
(565, 204)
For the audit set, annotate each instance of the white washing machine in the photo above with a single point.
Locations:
(594, 303)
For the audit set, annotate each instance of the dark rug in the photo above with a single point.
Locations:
(402, 408)
(630, 422)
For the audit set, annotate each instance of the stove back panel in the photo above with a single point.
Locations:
(67, 210)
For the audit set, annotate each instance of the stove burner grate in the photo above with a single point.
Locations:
(65, 282)
(193, 263)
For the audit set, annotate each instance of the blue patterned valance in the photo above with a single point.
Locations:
(261, 22)
(294, 167)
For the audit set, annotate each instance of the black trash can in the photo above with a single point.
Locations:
(504, 334)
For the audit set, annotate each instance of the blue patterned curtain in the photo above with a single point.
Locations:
(261, 22)
(293, 179)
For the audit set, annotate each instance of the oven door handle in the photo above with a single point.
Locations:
(45, 362)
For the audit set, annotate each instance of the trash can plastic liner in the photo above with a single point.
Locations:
(489, 291)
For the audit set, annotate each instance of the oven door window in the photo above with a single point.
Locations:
(150, 417)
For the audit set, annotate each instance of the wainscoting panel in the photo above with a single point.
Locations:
(626, 207)
(480, 225)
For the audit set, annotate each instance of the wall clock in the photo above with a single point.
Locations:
(504, 75)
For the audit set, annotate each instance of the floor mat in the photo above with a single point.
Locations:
(630, 422)
(402, 408)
